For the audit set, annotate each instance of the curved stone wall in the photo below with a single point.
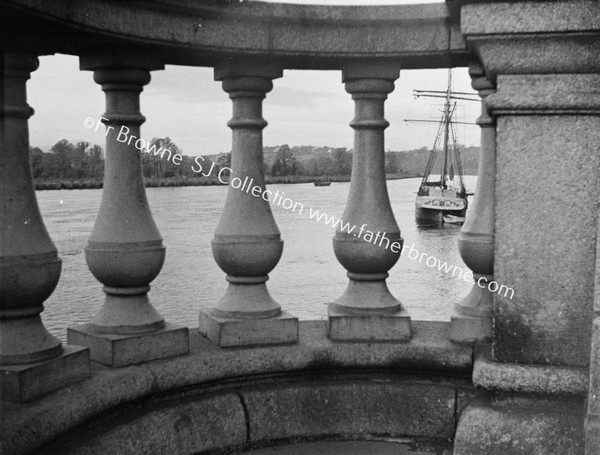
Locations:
(302, 36)
(240, 397)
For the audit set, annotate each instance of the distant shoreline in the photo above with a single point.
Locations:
(84, 184)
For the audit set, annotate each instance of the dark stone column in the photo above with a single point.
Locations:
(247, 243)
(125, 250)
(32, 361)
(370, 245)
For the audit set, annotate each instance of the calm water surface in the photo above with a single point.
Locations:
(307, 277)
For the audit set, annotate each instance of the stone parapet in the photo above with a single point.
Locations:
(419, 367)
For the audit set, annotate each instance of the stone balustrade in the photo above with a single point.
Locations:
(252, 374)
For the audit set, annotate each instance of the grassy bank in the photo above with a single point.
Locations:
(81, 184)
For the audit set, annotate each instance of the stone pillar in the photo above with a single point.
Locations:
(247, 243)
(548, 174)
(371, 243)
(547, 109)
(472, 318)
(32, 361)
(125, 251)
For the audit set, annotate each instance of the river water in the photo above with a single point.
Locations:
(307, 277)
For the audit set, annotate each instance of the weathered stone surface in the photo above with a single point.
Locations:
(592, 423)
(465, 329)
(185, 426)
(545, 94)
(121, 350)
(534, 37)
(548, 259)
(26, 382)
(316, 36)
(357, 408)
(522, 428)
(558, 17)
(369, 327)
(356, 448)
(228, 332)
(537, 379)
(27, 428)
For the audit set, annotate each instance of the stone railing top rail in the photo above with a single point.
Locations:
(187, 32)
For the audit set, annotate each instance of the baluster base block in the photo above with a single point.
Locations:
(122, 350)
(368, 327)
(234, 332)
(466, 329)
(471, 319)
(21, 383)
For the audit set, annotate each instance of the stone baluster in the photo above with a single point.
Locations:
(472, 318)
(367, 311)
(247, 243)
(32, 361)
(125, 250)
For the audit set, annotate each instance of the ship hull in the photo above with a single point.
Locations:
(431, 210)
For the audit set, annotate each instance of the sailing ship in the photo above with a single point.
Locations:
(442, 196)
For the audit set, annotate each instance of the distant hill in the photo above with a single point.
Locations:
(408, 163)
(413, 162)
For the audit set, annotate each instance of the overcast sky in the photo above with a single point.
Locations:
(186, 104)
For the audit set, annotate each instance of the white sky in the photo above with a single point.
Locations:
(186, 104)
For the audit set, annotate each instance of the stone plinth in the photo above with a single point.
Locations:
(343, 326)
(119, 350)
(30, 381)
(234, 332)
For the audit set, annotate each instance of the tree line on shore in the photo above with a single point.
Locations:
(81, 165)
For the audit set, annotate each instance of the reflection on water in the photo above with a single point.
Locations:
(307, 277)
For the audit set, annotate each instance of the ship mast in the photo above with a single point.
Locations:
(446, 131)
(445, 127)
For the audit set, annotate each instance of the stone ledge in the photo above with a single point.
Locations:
(519, 378)
(372, 447)
(26, 427)
(191, 425)
(236, 415)
(359, 407)
(521, 427)
(528, 94)
(530, 17)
